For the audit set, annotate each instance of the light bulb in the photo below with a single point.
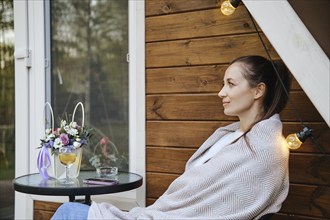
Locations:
(293, 141)
(228, 7)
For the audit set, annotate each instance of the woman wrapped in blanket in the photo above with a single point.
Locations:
(240, 171)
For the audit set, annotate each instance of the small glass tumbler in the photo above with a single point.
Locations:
(107, 171)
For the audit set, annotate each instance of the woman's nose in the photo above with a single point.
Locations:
(221, 93)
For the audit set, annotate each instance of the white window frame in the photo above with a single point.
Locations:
(30, 92)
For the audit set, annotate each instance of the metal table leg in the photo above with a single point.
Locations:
(72, 198)
(88, 200)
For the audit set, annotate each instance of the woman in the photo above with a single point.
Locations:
(241, 170)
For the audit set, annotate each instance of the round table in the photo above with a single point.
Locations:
(34, 184)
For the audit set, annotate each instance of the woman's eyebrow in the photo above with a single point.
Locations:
(230, 79)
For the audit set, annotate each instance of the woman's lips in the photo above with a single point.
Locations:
(225, 103)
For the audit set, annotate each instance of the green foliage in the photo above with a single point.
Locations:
(7, 91)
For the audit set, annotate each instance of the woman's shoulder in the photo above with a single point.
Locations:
(270, 125)
(267, 135)
(265, 132)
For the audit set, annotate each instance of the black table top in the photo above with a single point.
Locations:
(34, 184)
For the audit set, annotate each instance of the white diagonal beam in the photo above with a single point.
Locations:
(297, 48)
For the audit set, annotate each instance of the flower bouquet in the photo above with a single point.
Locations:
(68, 135)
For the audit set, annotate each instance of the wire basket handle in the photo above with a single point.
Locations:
(83, 113)
(52, 114)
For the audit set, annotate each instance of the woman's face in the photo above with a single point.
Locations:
(237, 96)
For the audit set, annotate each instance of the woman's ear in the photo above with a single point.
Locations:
(260, 90)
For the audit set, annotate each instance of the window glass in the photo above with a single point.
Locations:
(7, 110)
(88, 49)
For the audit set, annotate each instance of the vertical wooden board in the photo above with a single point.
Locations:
(214, 50)
(160, 7)
(195, 24)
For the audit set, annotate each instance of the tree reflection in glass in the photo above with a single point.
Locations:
(89, 44)
(7, 109)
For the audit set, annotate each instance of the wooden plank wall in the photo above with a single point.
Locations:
(188, 47)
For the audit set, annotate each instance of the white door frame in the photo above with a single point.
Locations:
(29, 95)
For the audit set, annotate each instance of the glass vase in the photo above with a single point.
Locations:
(58, 170)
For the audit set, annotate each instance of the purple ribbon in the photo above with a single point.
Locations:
(44, 162)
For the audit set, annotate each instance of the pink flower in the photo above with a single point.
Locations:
(64, 138)
(104, 150)
(103, 145)
(56, 131)
(104, 141)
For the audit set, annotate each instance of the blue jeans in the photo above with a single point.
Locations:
(71, 210)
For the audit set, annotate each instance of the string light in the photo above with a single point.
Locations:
(228, 7)
(295, 140)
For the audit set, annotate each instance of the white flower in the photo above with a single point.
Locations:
(72, 131)
(66, 128)
(63, 123)
(76, 145)
(58, 143)
(73, 124)
(49, 137)
(48, 131)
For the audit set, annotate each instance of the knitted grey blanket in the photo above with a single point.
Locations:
(244, 180)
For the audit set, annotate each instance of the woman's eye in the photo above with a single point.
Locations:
(230, 84)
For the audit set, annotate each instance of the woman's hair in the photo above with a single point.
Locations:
(257, 69)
